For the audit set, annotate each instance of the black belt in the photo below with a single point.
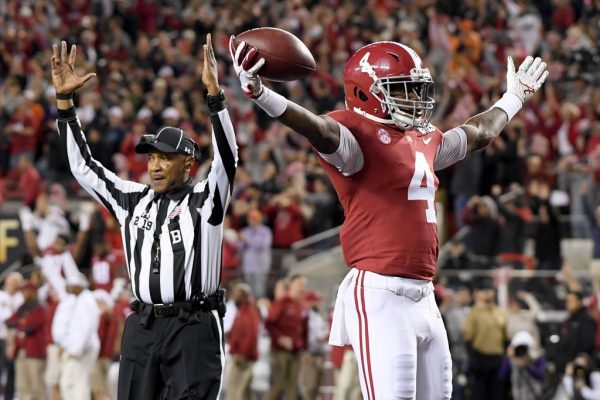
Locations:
(183, 310)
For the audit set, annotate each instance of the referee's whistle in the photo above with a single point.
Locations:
(155, 267)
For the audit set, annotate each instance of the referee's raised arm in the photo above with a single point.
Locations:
(116, 194)
(172, 234)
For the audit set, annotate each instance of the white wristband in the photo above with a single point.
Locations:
(85, 220)
(273, 103)
(26, 218)
(510, 104)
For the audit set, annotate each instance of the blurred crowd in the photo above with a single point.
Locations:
(518, 199)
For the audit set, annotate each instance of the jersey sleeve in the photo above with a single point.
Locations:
(219, 183)
(117, 195)
(452, 149)
(348, 158)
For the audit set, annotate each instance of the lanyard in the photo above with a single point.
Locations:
(160, 219)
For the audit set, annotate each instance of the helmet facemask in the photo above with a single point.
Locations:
(408, 99)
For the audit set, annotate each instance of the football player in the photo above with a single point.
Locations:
(381, 154)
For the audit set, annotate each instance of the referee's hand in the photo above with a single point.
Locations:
(64, 78)
(209, 72)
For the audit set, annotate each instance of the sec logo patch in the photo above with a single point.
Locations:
(409, 139)
(384, 136)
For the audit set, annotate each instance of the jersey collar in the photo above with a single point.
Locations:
(178, 193)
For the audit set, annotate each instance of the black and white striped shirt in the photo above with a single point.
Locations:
(191, 216)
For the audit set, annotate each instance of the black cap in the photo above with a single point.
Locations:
(167, 140)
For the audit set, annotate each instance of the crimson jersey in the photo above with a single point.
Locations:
(103, 271)
(390, 226)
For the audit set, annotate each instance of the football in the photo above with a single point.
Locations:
(286, 57)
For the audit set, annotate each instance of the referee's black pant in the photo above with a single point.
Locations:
(171, 358)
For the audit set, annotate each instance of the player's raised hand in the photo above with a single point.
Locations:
(64, 78)
(528, 79)
(210, 76)
(246, 67)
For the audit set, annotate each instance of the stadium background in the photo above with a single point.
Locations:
(538, 181)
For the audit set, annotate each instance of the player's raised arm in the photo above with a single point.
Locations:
(322, 132)
(520, 87)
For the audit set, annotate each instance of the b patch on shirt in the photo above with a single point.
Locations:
(176, 237)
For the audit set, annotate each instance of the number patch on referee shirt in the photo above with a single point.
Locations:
(143, 222)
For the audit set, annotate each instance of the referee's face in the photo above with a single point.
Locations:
(167, 170)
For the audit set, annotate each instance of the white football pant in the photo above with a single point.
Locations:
(397, 333)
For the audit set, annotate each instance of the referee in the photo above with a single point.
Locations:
(172, 231)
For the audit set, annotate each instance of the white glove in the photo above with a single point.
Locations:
(273, 103)
(246, 72)
(527, 80)
(521, 84)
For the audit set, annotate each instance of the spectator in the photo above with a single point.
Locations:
(523, 308)
(547, 231)
(48, 220)
(30, 184)
(243, 344)
(29, 349)
(465, 184)
(104, 265)
(313, 360)
(75, 330)
(525, 367)
(11, 298)
(121, 311)
(514, 217)
(484, 330)
(592, 302)
(578, 332)
(229, 318)
(231, 257)
(323, 206)
(287, 223)
(481, 215)
(582, 379)
(137, 164)
(107, 332)
(23, 128)
(52, 373)
(454, 308)
(574, 177)
(99, 148)
(256, 241)
(347, 386)
(287, 326)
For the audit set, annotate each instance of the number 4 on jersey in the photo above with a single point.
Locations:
(418, 192)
